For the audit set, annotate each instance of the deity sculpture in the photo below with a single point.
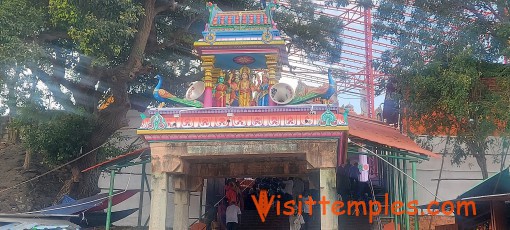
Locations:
(245, 88)
(220, 93)
(263, 91)
(233, 90)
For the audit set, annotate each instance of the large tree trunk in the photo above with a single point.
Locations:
(109, 121)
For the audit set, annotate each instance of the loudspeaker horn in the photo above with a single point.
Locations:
(282, 93)
(196, 91)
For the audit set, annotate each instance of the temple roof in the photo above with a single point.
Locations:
(241, 38)
(245, 18)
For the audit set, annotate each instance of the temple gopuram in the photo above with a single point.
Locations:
(240, 121)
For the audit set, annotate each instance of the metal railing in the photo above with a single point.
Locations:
(378, 218)
(216, 205)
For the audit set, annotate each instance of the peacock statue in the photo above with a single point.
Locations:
(331, 87)
(164, 96)
(306, 93)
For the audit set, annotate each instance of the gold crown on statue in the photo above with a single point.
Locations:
(245, 69)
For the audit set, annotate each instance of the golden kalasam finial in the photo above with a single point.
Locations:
(245, 69)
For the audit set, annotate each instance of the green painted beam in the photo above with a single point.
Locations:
(416, 222)
(386, 156)
(110, 197)
(392, 150)
(127, 165)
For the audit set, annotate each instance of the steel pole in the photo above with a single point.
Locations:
(406, 198)
(142, 193)
(110, 196)
(416, 224)
(369, 72)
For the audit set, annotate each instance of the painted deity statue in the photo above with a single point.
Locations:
(220, 93)
(263, 91)
(245, 88)
(233, 90)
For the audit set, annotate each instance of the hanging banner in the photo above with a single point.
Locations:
(363, 167)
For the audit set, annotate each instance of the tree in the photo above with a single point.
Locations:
(86, 51)
(446, 51)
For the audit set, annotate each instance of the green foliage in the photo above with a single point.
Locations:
(317, 35)
(503, 34)
(63, 13)
(437, 28)
(451, 95)
(443, 51)
(103, 31)
(59, 135)
(20, 20)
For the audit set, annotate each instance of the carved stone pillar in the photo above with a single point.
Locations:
(158, 212)
(181, 202)
(208, 65)
(271, 61)
(329, 221)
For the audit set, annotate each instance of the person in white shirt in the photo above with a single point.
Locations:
(296, 220)
(233, 214)
(306, 209)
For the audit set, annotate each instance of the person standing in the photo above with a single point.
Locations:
(221, 215)
(230, 192)
(306, 209)
(298, 188)
(296, 220)
(233, 216)
(348, 185)
(354, 173)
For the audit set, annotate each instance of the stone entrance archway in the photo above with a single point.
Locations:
(189, 154)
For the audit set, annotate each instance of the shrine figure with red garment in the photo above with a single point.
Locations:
(246, 88)
(220, 92)
(233, 90)
(263, 91)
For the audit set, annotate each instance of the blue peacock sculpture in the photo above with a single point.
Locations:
(164, 96)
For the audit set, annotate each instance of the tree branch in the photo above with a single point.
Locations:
(169, 5)
(48, 36)
(134, 62)
(152, 48)
(53, 35)
(164, 45)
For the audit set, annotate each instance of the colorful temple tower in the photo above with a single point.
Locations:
(239, 121)
(240, 42)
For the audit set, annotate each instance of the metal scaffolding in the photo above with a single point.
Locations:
(359, 50)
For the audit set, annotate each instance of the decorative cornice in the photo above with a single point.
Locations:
(311, 108)
(244, 130)
(335, 135)
(251, 42)
(252, 122)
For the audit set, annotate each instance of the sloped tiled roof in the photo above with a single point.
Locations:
(381, 133)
